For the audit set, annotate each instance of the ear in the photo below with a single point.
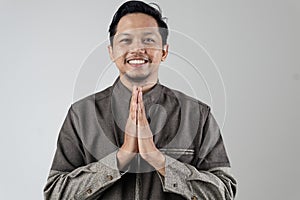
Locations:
(165, 52)
(110, 51)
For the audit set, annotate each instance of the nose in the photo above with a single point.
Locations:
(137, 47)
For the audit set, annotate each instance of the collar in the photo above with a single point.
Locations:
(120, 101)
(121, 92)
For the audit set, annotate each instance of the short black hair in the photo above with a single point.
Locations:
(138, 7)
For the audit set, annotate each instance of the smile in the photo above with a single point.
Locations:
(137, 61)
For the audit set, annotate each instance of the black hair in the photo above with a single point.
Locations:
(139, 7)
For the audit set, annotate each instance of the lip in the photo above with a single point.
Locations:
(137, 61)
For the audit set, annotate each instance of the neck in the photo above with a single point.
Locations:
(145, 84)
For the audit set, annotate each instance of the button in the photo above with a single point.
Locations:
(89, 191)
(194, 198)
(110, 177)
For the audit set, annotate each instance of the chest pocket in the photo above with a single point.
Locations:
(183, 155)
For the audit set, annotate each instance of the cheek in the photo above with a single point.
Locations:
(119, 52)
(118, 58)
(156, 55)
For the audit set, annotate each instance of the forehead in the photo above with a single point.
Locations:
(137, 22)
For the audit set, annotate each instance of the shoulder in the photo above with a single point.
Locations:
(185, 99)
(91, 100)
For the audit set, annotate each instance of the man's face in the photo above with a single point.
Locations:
(137, 48)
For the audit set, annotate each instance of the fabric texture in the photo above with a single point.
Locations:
(184, 130)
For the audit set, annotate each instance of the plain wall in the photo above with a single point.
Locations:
(241, 57)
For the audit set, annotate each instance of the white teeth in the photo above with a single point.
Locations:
(136, 62)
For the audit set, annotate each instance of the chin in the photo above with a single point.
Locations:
(137, 77)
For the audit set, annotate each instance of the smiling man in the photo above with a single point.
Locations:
(139, 139)
(137, 49)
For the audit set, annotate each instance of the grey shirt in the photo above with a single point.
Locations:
(184, 130)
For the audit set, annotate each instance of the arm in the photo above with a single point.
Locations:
(186, 180)
(210, 178)
(213, 182)
(83, 182)
(70, 176)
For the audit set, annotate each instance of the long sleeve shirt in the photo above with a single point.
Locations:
(184, 130)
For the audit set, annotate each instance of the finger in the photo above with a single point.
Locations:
(141, 108)
(130, 128)
(133, 102)
(140, 114)
(140, 95)
(133, 111)
(144, 130)
(134, 95)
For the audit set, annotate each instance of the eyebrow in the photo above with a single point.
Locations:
(124, 34)
(129, 34)
(149, 33)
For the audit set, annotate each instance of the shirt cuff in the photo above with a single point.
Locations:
(108, 166)
(108, 173)
(176, 177)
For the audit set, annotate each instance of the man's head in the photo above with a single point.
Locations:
(138, 7)
(138, 42)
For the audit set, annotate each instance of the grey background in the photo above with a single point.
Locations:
(47, 54)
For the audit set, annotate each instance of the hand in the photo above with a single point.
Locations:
(138, 137)
(146, 146)
(130, 146)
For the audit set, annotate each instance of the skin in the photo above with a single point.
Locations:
(137, 52)
(138, 37)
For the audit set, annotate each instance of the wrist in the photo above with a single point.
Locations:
(130, 144)
(124, 157)
(156, 159)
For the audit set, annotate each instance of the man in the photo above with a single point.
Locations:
(139, 139)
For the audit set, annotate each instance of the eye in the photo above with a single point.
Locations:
(149, 40)
(125, 40)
